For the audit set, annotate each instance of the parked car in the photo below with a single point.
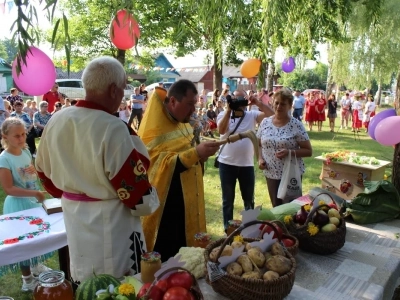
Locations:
(151, 87)
(73, 88)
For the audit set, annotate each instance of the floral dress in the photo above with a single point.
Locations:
(274, 139)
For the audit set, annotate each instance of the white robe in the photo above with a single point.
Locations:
(81, 151)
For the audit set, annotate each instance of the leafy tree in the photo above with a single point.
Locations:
(10, 49)
(306, 79)
(3, 52)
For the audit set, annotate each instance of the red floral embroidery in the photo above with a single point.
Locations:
(11, 241)
(36, 221)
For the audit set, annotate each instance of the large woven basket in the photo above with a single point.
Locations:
(195, 289)
(322, 242)
(238, 288)
(286, 234)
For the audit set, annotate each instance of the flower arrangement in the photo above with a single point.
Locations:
(347, 156)
(312, 229)
(125, 291)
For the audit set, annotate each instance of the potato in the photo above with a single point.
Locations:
(267, 255)
(234, 269)
(226, 252)
(277, 249)
(245, 263)
(279, 264)
(270, 275)
(252, 275)
(257, 257)
(236, 245)
(248, 247)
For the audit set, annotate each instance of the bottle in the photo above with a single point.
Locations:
(53, 286)
(150, 264)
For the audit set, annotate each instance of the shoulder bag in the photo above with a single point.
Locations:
(216, 162)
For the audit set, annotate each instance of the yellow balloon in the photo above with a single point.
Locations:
(250, 68)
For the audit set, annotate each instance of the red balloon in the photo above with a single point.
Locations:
(124, 33)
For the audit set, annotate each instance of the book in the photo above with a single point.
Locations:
(52, 206)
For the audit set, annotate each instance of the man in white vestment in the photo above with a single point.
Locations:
(98, 166)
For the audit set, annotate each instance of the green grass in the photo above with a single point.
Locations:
(324, 141)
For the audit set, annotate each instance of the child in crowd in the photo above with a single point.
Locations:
(124, 112)
(18, 179)
(57, 107)
(28, 108)
(67, 103)
(197, 127)
(33, 108)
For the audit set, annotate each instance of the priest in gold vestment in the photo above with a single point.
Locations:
(175, 169)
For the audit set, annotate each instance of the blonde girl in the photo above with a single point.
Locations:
(124, 112)
(18, 179)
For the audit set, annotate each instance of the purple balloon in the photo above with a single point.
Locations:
(387, 131)
(288, 65)
(378, 118)
(37, 75)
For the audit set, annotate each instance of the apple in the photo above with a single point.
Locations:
(154, 294)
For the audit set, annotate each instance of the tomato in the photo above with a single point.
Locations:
(288, 242)
(181, 279)
(177, 293)
(155, 292)
(269, 229)
(162, 285)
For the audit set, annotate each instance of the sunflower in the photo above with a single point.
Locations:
(126, 289)
(238, 238)
(307, 207)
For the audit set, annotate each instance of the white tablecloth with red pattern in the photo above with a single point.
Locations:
(30, 234)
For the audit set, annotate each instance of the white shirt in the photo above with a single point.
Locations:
(123, 117)
(240, 153)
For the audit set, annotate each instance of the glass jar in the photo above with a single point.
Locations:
(53, 286)
(201, 239)
(232, 226)
(150, 264)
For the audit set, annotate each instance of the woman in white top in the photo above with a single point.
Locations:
(277, 135)
(356, 106)
(369, 112)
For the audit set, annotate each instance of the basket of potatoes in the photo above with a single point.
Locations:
(288, 240)
(254, 274)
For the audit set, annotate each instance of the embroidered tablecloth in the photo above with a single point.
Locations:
(367, 267)
(29, 234)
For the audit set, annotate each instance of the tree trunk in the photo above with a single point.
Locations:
(217, 71)
(396, 156)
(379, 93)
(270, 76)
(121, 56)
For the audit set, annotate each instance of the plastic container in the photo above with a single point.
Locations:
(53, 286)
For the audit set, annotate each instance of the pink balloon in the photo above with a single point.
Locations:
(37, 76)
(124, 33)
(387, 131)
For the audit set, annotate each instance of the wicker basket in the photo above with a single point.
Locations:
(238, 288)
(286, 235)
(195, 289)
(322, 242)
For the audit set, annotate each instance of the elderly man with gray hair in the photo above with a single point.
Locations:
(98, 167)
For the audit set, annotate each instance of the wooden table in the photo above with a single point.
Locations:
(336, 177)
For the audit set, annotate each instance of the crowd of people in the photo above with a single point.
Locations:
(124, 193)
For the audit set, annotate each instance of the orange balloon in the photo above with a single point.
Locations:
(250, 68)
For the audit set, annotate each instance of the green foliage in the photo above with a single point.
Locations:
(8, 50)
(306, 79)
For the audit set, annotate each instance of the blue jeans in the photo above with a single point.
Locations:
(228, 175)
